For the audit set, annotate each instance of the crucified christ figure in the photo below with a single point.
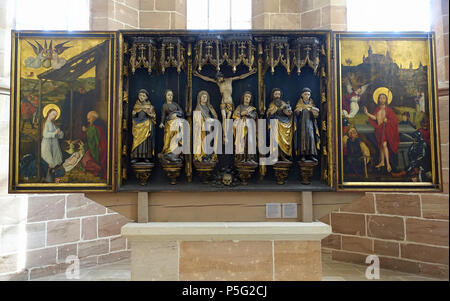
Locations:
(225, 87)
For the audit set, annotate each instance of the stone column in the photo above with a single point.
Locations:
(299, 14)
(162, 14)
(333, 14)
(114, 14)
(439, 10)
(276, 14)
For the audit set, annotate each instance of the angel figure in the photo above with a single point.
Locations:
(47, 56)
(351, 100)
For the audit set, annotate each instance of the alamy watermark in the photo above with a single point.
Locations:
(73, 270)
(241, 137)
(373, 270)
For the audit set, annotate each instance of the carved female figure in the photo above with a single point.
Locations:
(144, 120)
(204, 112)
(242, 133)
(308, 135)
(171, 114)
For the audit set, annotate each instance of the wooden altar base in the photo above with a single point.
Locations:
(245, 171)
(306, 171)
(281, 169)
(142, 171)
(172, 170)
(205, 170)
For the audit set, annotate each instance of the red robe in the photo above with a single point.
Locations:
(103, 148)
(89, 164)
(387, 131)
(27, 110)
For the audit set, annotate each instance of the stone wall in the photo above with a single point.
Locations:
(409, 232)
(39, 232)
(134, 14)
(114, 14)
(299, 14)
(162, 14)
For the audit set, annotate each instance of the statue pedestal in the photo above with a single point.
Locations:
(306, 170)
(245, 171)
(142, 171)
(205, 170)
(226, 251)
(172, 170)
(281, 169)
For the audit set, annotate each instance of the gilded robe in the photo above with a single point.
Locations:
(286, 126)
(240, 128)
(201, 114)
(171, 114)
(144, 120)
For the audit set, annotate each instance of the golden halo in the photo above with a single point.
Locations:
(50, 106)
(382, 90)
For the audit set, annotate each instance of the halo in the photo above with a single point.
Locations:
(50, 106)
(382, 90)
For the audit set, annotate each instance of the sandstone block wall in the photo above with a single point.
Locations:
(39, 232)
(409, 232)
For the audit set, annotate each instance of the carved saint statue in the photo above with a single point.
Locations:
(204, 112)
(144, 120)
(245, 111)
(225, 87)
(281, 111)
(171, 114)
(308, 135)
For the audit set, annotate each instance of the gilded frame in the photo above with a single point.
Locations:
(342, 124)
(100, 41)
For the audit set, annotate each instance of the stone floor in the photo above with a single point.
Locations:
(332, 271)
